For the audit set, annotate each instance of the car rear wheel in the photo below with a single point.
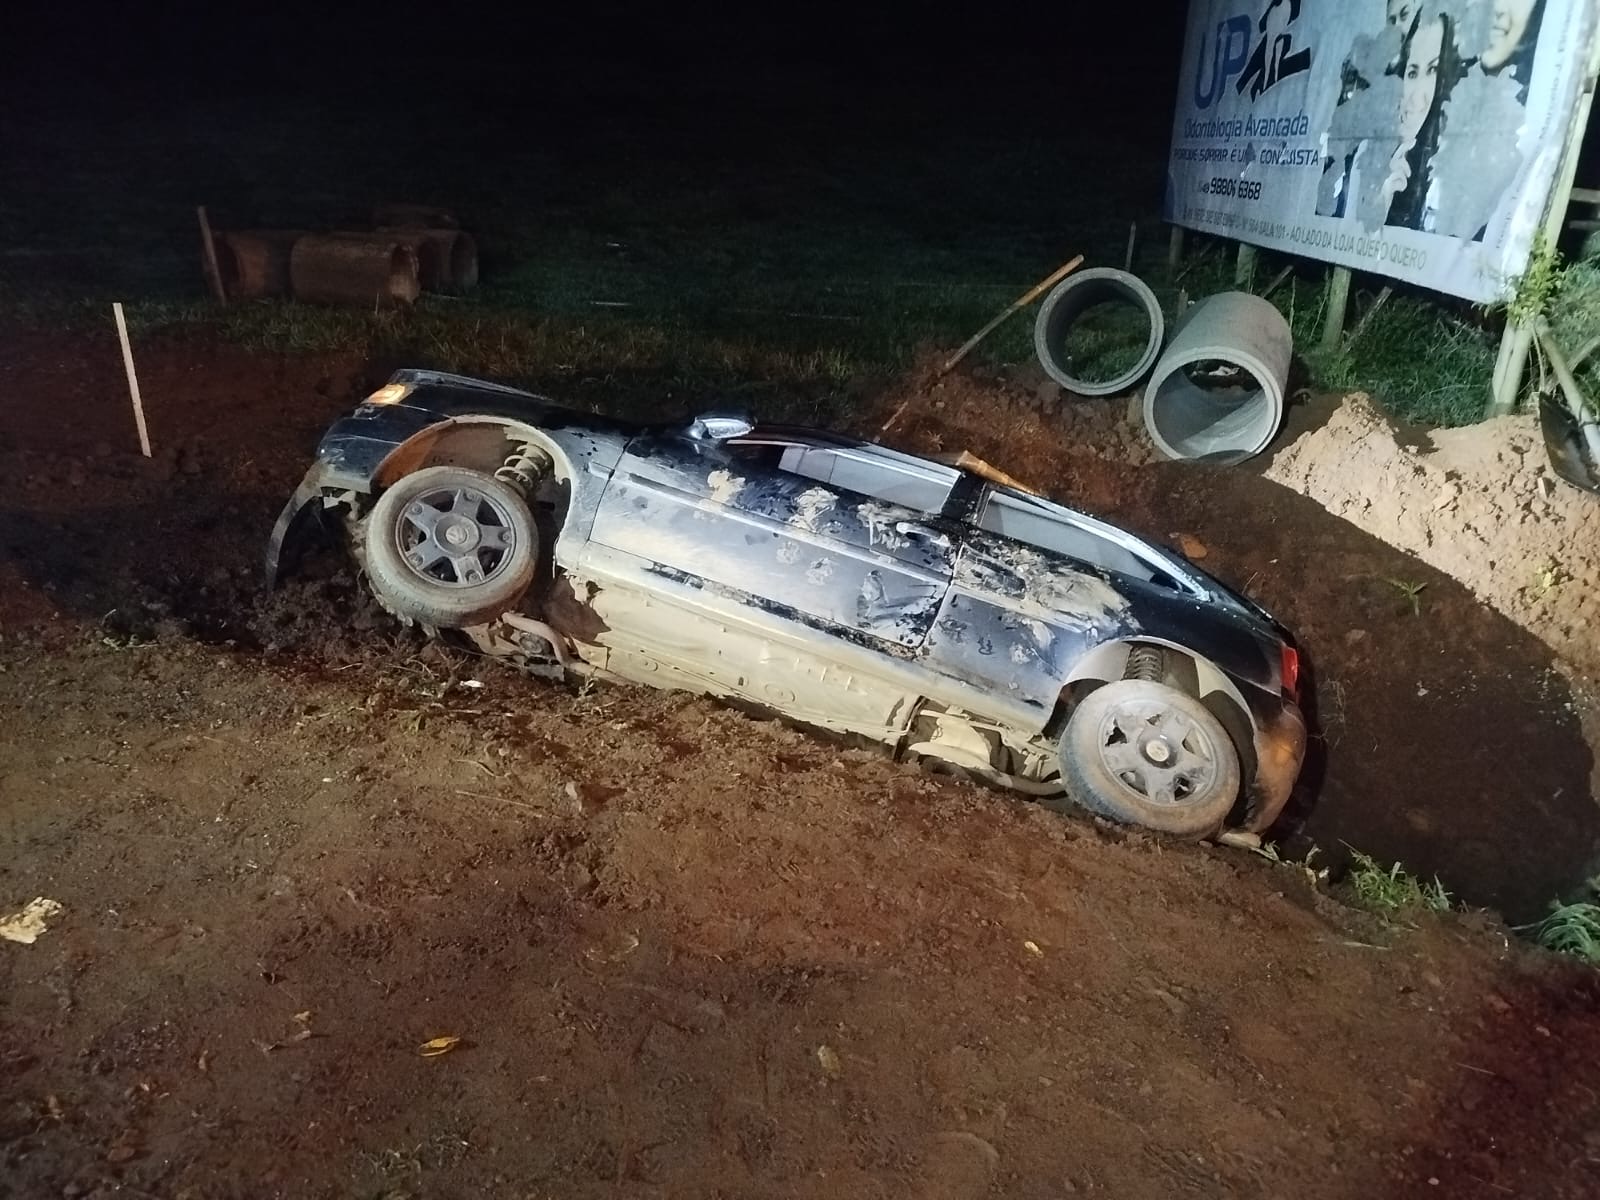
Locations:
(1147, 754)
(448, 547)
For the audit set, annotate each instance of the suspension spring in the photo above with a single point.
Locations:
(1145, 662)
(525, 467)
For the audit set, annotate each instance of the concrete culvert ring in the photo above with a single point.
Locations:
(463, 262)
(1098, 332)
(1217, 394)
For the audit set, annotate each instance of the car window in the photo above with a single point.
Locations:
(1026, 520)
(865, 470)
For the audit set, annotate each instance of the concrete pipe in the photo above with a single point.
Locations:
(255, 262)
(1217, 393)
(1098, 332)
(447, 259)
(339, 269)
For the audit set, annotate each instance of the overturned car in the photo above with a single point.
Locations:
(955, 618)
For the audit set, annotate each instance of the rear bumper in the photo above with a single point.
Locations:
(1280, 746)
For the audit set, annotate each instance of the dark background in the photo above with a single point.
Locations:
(1066, 67)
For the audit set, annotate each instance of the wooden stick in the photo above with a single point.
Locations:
(1022, 301)
(133, 380)
(1276, 281)
(1198, 258)
(1577, 403)
(968, 461)
(1133, 236)
(1362, 322)
(209, 247)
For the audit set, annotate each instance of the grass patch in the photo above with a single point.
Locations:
(1425, 359)
(1395, 891)
(1570, 929)
(1575, 322)
(726, 263)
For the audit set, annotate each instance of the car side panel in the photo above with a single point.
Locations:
(783, 540)
(1017, 619)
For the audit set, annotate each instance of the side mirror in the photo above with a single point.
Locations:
(718, 427)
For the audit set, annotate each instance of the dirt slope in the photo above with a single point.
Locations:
(689, 952)
(647, 917)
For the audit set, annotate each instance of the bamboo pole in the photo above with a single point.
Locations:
(209, 248)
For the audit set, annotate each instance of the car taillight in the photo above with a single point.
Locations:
(1289, 670)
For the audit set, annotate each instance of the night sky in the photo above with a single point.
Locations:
(1056, 68)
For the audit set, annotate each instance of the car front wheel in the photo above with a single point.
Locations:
(448, 547)
(1147, 754)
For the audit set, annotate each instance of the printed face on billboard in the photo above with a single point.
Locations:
(1418, 138)
(1420, 82)
(1402, 13)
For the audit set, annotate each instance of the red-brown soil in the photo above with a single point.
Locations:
(692, 953)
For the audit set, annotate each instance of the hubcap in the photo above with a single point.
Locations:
(1158, 752)
(457, 537)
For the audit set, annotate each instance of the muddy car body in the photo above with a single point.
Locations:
(833, 581)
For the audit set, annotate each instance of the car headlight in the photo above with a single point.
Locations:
(390, 393)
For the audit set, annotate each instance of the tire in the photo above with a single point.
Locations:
(447, 547)
(1112, 759)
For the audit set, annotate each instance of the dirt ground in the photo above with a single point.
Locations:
(692, 953)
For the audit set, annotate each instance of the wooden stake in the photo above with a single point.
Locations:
(1577, 403)
(1133, 236)
(1338, 300)
(209, 247)
(1366, 318)
(133, 379)
(1277, 281)
(1027, 297)
(1199, 258)
(1244, 267)
(1175, 248)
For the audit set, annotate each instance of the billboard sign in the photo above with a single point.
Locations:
(1418, 139)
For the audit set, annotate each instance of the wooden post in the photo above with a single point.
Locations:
(1509, 364)
(1338, 301)
(1175, 248)
(1517, 340)
(1244, 268)
(133, 380)
(1133, 234)
(209, 247)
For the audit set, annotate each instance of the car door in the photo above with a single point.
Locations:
(732, 516)
(1022, 608)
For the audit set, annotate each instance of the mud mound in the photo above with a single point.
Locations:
(1480, 504)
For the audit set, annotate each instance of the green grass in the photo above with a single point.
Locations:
(1393, 892)
(1424, 359)
(1575, 321)
(1570, 929)
(797, 277)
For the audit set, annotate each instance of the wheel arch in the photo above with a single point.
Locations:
(478, 442)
